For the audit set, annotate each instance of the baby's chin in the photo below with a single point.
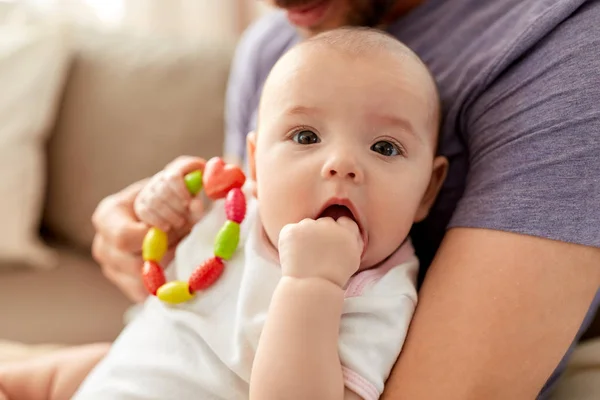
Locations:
(372, 258)
(369, 260)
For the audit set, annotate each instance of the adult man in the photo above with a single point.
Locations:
(517, 267)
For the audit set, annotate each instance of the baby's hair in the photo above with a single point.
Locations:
(359, 41)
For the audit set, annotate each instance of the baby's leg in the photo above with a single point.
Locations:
(159, 355)
(54, 376)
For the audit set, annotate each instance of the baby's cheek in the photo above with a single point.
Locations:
(390, 225)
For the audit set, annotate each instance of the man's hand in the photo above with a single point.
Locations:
(117, 245)
(322, 248)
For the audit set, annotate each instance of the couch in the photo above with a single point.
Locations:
(122, 107)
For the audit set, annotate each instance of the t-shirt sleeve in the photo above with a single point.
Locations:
(534, 141)
(241, 90)
(373, 328)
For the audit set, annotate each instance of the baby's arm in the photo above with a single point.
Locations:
(165, 201)
(55, 376)
(298, 351)
(297, 355)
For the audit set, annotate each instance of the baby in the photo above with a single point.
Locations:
(317, 299)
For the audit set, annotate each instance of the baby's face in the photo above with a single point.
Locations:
(351, 131)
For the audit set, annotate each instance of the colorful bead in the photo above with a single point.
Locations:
(227, 240)
(193, 182)
(155, 245)
(174, 292)
(235, 205)
(206, 274)
(152, 276)
(219, 178)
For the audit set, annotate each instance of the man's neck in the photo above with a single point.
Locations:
(401, 8)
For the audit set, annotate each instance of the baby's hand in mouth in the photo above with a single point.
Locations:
(323, 248)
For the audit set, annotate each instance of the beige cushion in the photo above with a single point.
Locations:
(130, 106)
(33, 63)
(72, 304)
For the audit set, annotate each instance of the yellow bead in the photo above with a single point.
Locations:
(155, 245)
(174, 292)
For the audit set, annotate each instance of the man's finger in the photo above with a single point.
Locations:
(115, 219)
(132, 287)
(105, 254)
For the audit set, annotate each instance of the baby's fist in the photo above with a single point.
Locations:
(165, 201)
(322, 248)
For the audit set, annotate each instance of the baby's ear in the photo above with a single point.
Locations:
(438, 175)
(251, 154)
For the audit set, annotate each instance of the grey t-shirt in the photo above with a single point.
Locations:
(520, 86)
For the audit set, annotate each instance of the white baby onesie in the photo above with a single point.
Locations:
(204, 349)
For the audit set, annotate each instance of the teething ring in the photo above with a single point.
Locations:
(218, 180)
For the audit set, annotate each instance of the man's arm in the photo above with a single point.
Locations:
(498, 310)
(496, 314)
(55, 376)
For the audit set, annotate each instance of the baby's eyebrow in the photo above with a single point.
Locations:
(396, 121)
(302, 110)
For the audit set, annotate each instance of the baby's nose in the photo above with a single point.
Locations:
(338, 167)
(333, 172)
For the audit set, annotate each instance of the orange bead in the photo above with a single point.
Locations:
(219, 178)
(152, 276)
(206, 274)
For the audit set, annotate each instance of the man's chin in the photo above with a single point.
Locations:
(307, 33)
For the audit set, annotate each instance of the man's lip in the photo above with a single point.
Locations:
(357, 216)
(305, 7)
(308, 15)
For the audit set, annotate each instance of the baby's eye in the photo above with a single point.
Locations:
(306, 137)
(386, 148)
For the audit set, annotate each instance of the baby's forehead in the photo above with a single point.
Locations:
(357, 44)
(362, 54)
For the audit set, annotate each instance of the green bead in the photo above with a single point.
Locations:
(193, 181)
(227, 240)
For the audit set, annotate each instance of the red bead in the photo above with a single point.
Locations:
(219, 178)
(153, 276)
(206, 274)
(235, 205)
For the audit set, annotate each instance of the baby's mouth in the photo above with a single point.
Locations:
(336, 211)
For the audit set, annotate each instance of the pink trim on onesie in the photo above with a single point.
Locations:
(360, 281)
(359, 385)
